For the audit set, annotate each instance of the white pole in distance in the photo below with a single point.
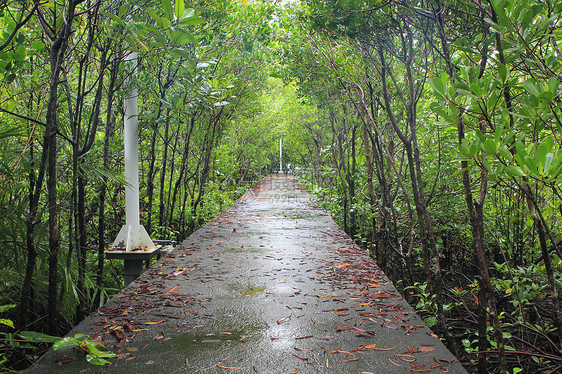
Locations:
(280, 155)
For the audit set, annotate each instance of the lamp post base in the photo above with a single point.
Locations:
(133, 261)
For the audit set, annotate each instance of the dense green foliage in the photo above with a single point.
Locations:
(430, 131)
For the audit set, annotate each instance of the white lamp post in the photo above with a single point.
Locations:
(280, 155)
(133, 244)
(132, 235)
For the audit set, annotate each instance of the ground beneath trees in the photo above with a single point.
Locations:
(272, 285)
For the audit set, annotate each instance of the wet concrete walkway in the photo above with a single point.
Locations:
(272, 285)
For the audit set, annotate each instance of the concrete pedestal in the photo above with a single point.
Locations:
(133, 261)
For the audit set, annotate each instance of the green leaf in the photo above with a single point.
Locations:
(514, 171)
(4, 308)
(192, 20)
(437, 85)
(37, 337)
(180, 8)
(69, 341)
(548, 160)
(6, 322)
(94, 360)
(532, 165)
(177, 102)
(123, 10)
(556, 168)
(168, 10)
(474, 147)
(543, 149)
(37, 45)
(502, 69)
(553, 84)
(118, 21)
(155, 16)
(92, 348)
(547, 95)
(462, 85)
(181, 54)
(464, 148)
(480, 135)
(182, 37)
(475, 89)
(490, 146)
(66, 342)
(430, 321)
(530, 86)
(503, 152)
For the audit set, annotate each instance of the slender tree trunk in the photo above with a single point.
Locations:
(351, 183)
(82, 310)
(184, 166)
(204, 176)
(110, 127)
(339, 160)
(53, 223)
(162, 208)
(150, 178)
(59, 47)
(35, 187)
(169, 208)
(549, 267)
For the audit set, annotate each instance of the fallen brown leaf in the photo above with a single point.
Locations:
(228, 367)
(405, 358)
(425, 349)
(384, 349)
(283, 320)
(380, 295)
(392, 362)
(369, 346)
(344, 327)
(172, 289)
(63, 361)
(118, 334)
(332, 295)
(344, 352)
(155, 322)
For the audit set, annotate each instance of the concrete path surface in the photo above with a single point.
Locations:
(272, 285)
